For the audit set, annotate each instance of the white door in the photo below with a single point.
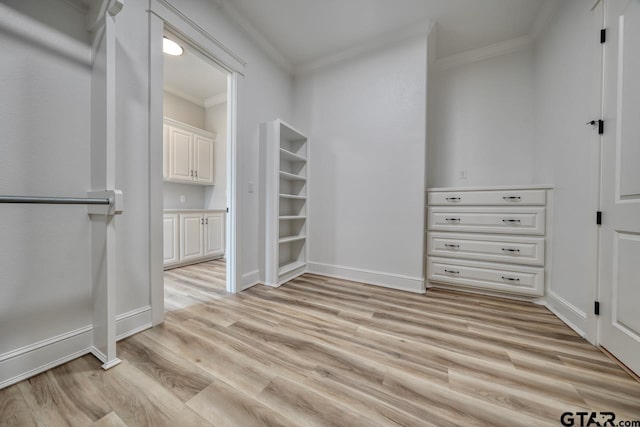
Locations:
(170, 239)
(620, 232)
(214, 234)
(181, 156)
(203, 159)
(191, 236)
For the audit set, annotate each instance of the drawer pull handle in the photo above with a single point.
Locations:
(510, 279)
(453, 219)
(512, 198)
(447, 245)
(511, 221)
(453, 199)
(451, 271)
(510, 250)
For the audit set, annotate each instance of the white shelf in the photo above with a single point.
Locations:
(291, 239)
(292, 177)
(287, 268)
(291, 196)
(292, 156)
(291, 217)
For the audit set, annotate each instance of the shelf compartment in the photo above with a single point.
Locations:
(292, 207)
(292, 140)
(292, 228)
(290, 239)
(293, 168)
(291, 256)
(292, 157)
(291, 177)
(293, 187)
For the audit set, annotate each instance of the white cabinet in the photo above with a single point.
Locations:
(284, 157)
(213, 234)
(188, 153)
(488, 239)
(193, 236)
(165, 152)
(171, 247)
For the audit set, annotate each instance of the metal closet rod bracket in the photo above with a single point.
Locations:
(114, 207)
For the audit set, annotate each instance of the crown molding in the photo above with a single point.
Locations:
(214, 100)
(185, 96)
(486, 52)
(255, 35)
(371, 45)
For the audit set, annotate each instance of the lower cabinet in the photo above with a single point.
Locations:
(193, 236)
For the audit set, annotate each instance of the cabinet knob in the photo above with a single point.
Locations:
(192, 173)
(196, 174)
(206, 221)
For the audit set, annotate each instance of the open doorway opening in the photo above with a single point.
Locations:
(195, 176)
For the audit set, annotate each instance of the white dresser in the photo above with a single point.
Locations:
(488, 239)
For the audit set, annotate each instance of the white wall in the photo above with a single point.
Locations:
(482, 122)
(365, 120)
(183, 111)
(566, 152)
(216, 120)
(45, 251)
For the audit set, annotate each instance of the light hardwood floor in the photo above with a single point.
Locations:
(322, 351)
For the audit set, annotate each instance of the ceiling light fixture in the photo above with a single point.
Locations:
(171, 48)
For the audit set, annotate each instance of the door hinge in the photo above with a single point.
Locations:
(227, 210)
(599, 218)
(603, 35)
(596, 308)
(599, 124)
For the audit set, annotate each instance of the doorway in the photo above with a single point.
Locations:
(209, 228)
(194, 188)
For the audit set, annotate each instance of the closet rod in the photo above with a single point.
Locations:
(55, 200)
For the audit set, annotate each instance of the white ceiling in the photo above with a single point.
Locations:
(193, 78)
(307, 30)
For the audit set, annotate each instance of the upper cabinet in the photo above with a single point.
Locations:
(188, 153)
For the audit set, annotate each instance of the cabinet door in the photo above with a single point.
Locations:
(191, 239)
(165, 152)
(170, 239)
(214, 234)
(203, 159)
(180, 155)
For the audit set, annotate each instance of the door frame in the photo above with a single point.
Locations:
(164, 17)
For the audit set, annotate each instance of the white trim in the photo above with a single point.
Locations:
(570, 314)
(214, 100)
(132, 322)
(493, 188)
(358, 49)
(250, 279)
(486, 52)
(180, 94)
(370, 277)
(486, 292)
(32, 359)
(180, 22)
(255, 35)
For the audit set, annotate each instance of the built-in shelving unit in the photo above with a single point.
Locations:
(284, 153)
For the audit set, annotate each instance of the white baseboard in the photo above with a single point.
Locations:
(132, 322)
(27, 361)
(575, 318)
(249, 279)
(377, 278)
(33, 359)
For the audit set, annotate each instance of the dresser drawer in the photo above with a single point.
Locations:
(491, 198)
(486, 275)
(487, 247)
(523, 220)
